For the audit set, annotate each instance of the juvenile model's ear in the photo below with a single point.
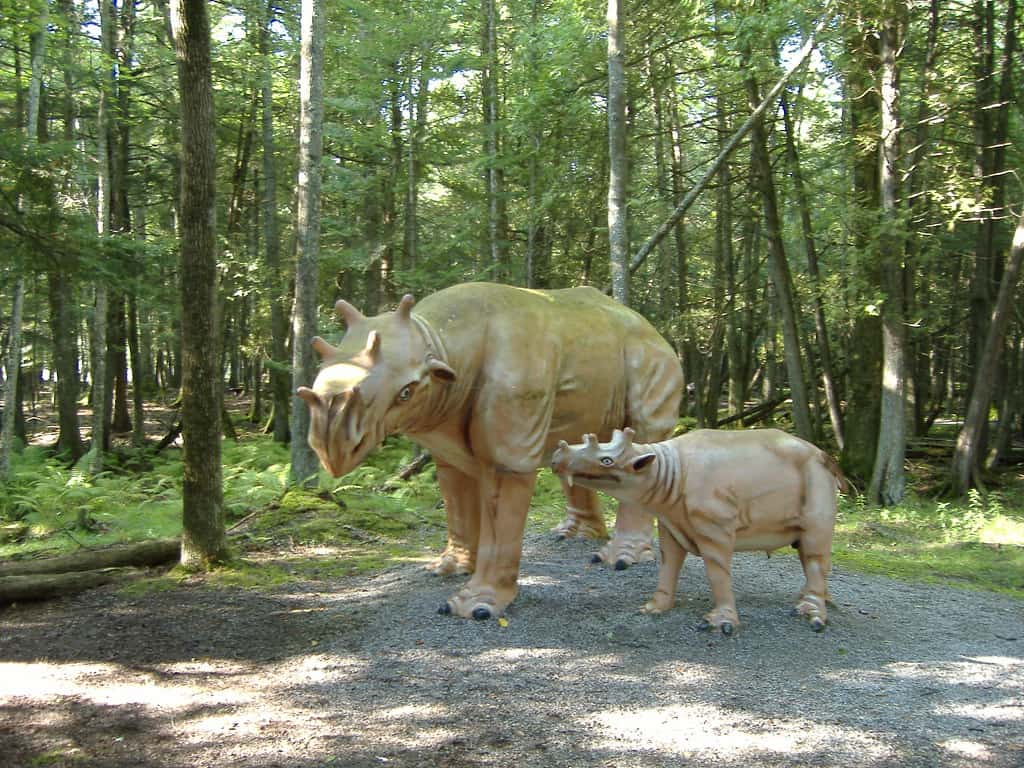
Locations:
(440, 370)
(643, 461)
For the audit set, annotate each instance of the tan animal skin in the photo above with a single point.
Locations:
(719, 491)
(489, 378)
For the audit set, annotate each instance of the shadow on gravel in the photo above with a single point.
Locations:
(364, 673)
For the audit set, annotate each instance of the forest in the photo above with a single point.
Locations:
(818, 205)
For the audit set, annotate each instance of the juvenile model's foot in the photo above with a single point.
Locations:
(724, 619)
(455, 560)
(659, 603)
(812, 608)
(477, 602)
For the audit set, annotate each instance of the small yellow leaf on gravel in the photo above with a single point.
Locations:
(502, 622)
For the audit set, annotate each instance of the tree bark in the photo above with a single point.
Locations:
(888, 481)
(304, 461)
(969, 447)
(203, 535)
(142, 554)
(497, 217)
(779, 269)
(8, 429)
(279, 378)
(64, 330)
(16, 589)
(618, 162)
(864, 352)
(810, 247)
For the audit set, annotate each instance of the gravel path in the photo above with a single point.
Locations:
(364, 673)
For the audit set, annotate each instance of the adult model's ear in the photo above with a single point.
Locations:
(440, 370)
(643, 461)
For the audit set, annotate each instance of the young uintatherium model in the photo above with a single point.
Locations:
(719, 491)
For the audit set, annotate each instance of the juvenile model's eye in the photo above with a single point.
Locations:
(607, 461)
(405, 394)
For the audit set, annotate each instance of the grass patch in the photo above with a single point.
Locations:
(978, 543)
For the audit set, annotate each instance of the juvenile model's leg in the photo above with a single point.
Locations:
(582, 514)
(461, 494)
(504, 502)
(816, 549)
(717, 564)
(672, 558)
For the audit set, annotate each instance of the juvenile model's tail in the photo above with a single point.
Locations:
(833, 466)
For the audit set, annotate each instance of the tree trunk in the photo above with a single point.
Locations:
(304, 461)
(618, 162)
(969, 448)
(810, 247)
(278, 365)
(64, 330)
(779, 270)
(10, 385)
(138, 400)
(497, 218)
(888, 481)
(8, 429)
(203, 535)
(864, 353)
(117, 365)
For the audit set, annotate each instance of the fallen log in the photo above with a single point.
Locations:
(142, 554)
(16, 589)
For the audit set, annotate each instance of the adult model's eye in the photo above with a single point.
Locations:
(607, 461)
(405, 394)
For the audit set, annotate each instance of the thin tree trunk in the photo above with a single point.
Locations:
(203, 536)
(8, 429)
(304, 461)
(11, 383)
(618, 162)
(779, 270)
(63, 326)
(497, 223)
(888, 480)
(138, 401)
(279, 378)
(820, 329)
(969, 448)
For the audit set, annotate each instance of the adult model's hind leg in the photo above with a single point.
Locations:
(582, 514)
(815, 547)
(653, 393)
(461, 494)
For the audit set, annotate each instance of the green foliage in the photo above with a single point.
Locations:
(978, 544)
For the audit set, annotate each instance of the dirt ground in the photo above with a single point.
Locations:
(363, 672)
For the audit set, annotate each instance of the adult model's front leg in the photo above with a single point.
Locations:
(633, 538)
(461, 494)
(504, 502)
(582, 514)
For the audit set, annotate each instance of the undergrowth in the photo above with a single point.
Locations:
(371, 519)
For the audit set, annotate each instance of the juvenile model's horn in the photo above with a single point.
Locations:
(405, 307)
